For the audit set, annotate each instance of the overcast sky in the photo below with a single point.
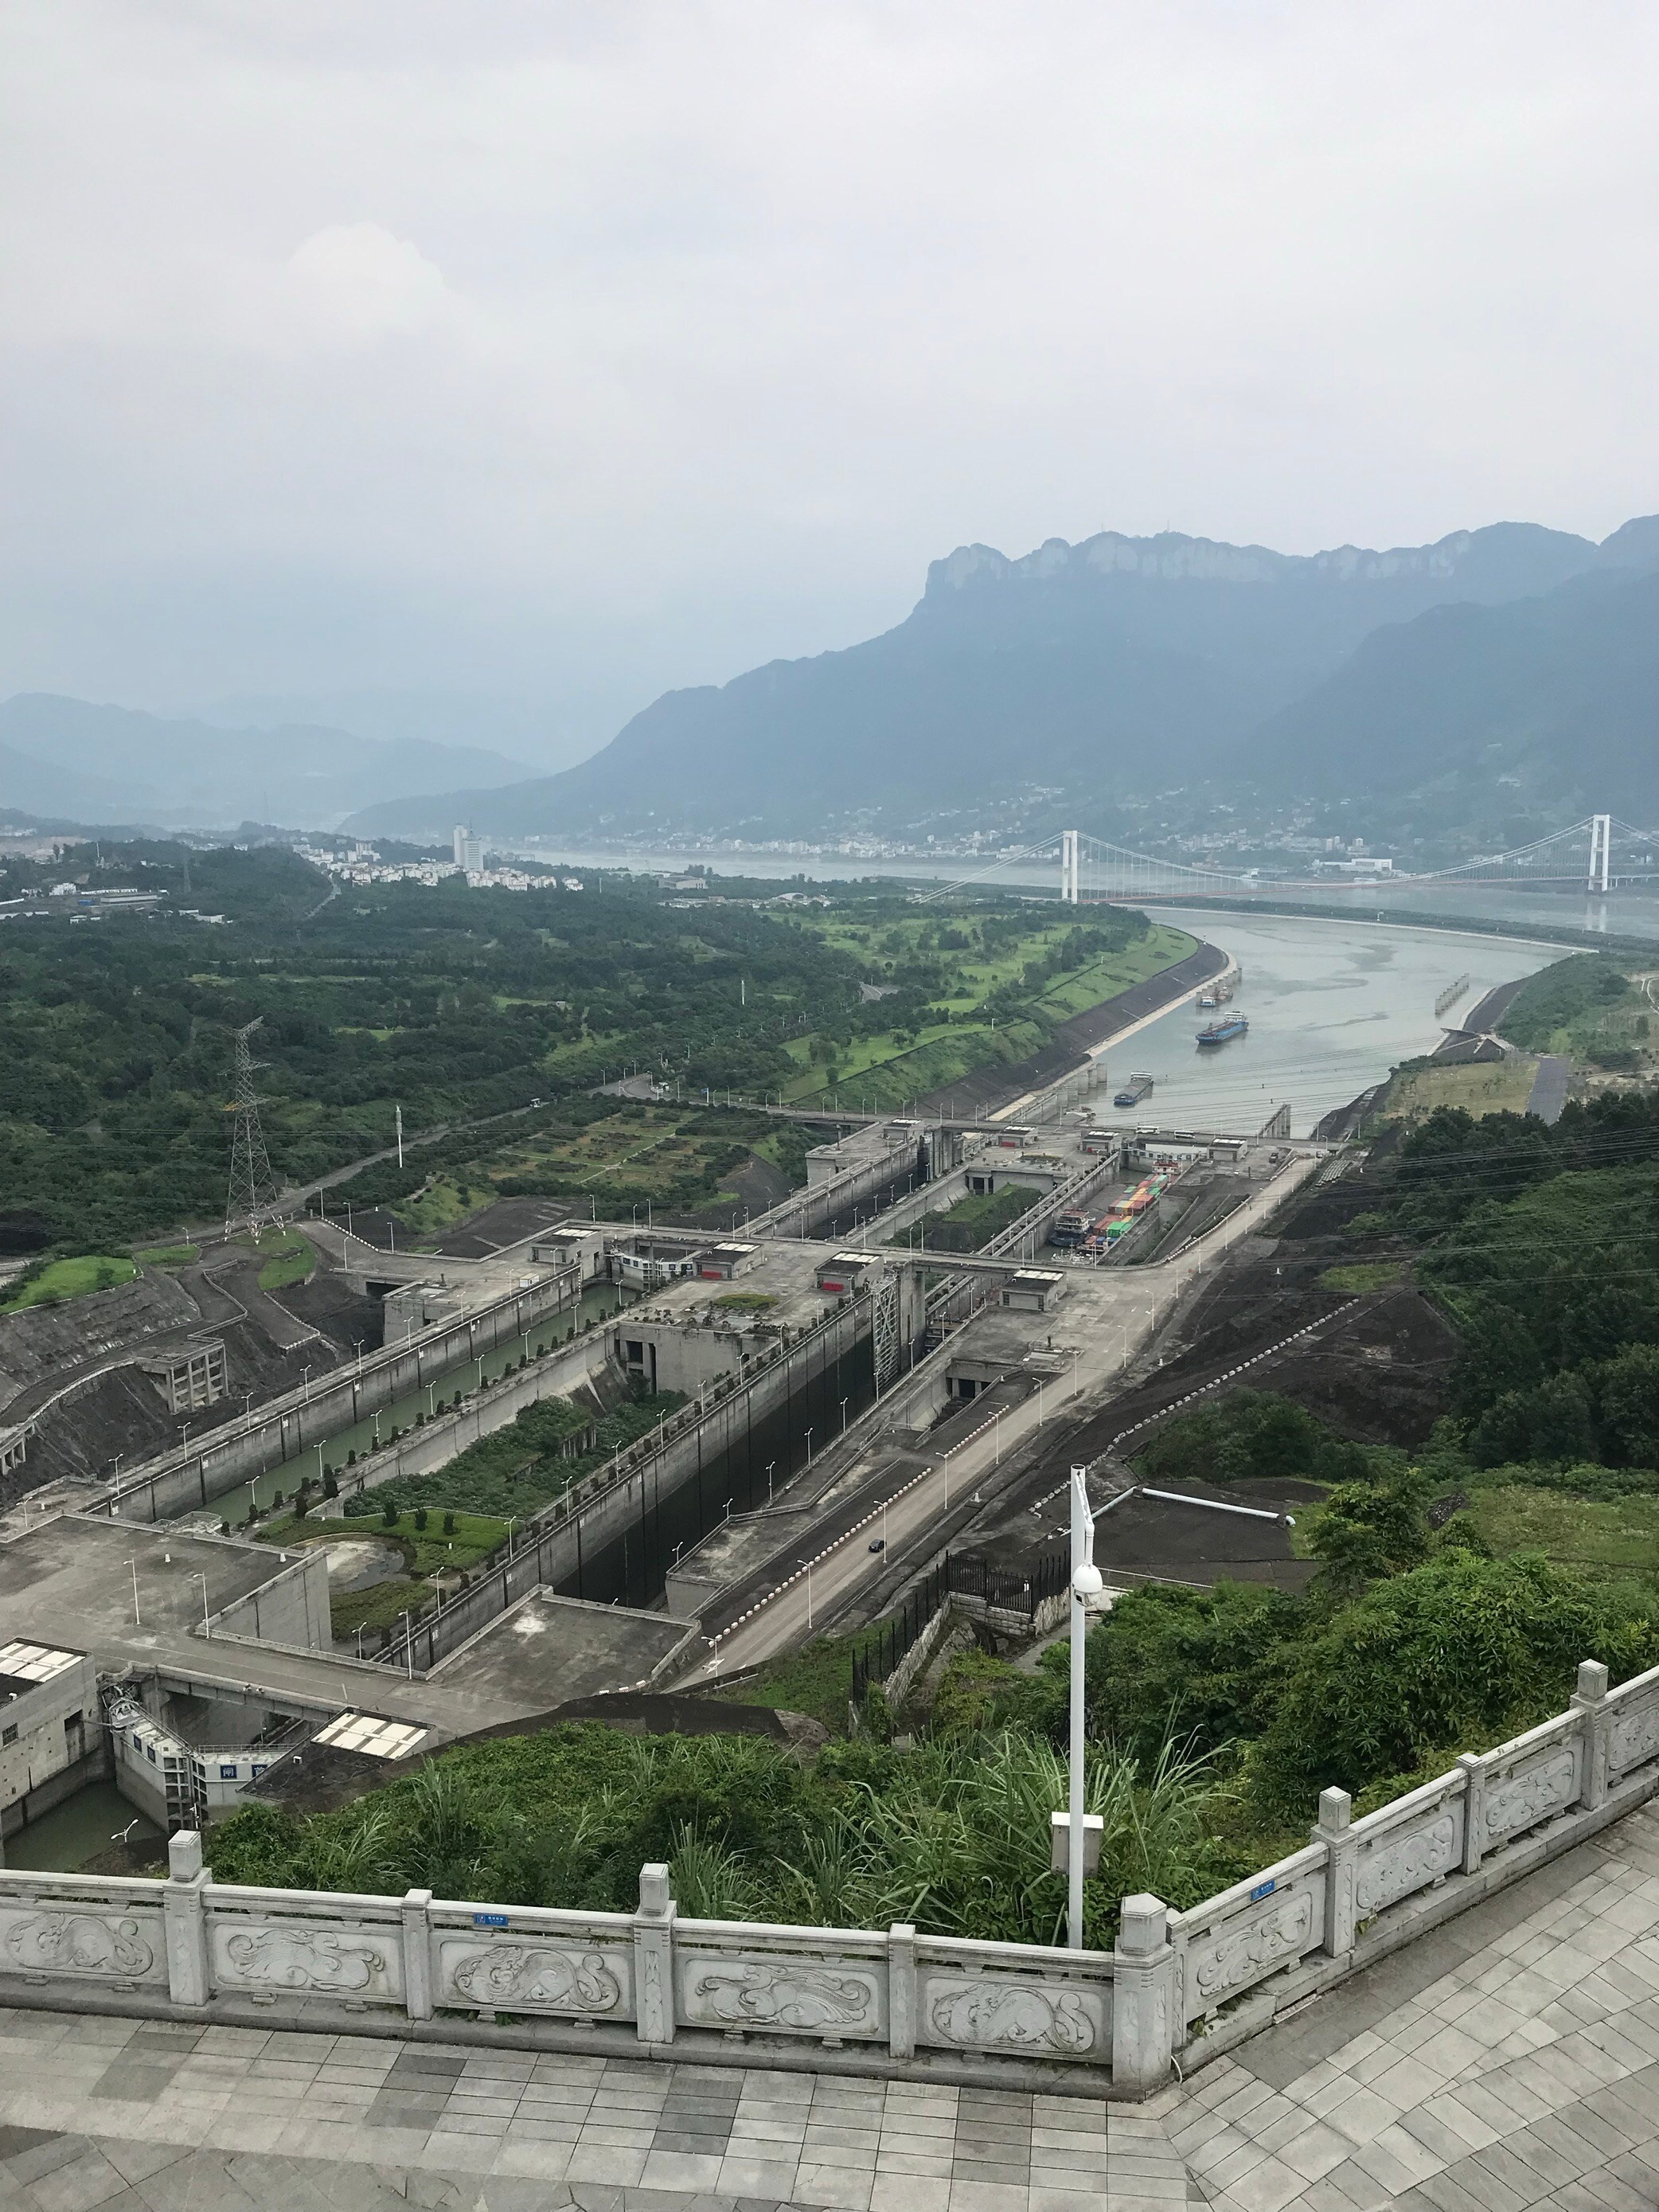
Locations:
(569, 352)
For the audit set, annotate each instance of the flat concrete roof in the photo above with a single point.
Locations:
(746, 1542)
(783, 1269)
(73, 1577)
(547, 1649)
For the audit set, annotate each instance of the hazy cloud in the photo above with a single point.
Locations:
(573, 351)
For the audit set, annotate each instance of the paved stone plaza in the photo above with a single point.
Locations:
(1510, 2060)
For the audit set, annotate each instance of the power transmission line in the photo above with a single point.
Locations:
(252, 1201)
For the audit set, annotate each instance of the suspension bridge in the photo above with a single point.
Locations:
(1598, 855)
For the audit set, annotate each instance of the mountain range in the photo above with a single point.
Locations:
(67, 759)
(1131, 665)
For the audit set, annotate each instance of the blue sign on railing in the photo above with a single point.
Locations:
(489, 1920)
(1262, 1889)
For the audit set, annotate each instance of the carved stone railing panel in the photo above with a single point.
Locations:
(1633, 1726)
(1523, 1790)
(1408, 1845)
(1014, 2016)
(1007, 2001)
(1248, 1932)
(359, 1959)
(796, 1981)
(523, 1974)
(568, 1965)
(52, 1929)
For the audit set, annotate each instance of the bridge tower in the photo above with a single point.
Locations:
(1601, 858)
(1069, 843)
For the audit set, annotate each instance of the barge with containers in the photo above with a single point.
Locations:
(1224, 1031)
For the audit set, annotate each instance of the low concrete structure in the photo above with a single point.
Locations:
(728, 1553)
(48, 1727)
(546, 1650)
(190, 1375)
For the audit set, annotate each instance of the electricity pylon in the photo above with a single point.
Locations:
(252, 1203)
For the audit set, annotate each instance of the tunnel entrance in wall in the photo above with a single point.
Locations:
(630, 1568)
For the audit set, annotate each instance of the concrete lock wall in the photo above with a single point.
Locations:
(181, 1482)
(887, 2001)
(569, 1536)
(436, 1442)
(293, 1609)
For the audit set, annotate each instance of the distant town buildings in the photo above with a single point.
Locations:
(363, 864)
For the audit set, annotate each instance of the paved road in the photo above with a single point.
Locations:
(1550, 1087)
(1510, 2059)
(1146, 1298)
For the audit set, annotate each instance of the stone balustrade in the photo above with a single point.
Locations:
(1178, 1987)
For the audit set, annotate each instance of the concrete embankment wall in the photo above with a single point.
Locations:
(184, 1481)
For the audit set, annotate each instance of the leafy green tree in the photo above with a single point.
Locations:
(1459, 1650)
(1628, 1389)
(1370, 1530)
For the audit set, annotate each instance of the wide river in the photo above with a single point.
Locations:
(1333, 1005)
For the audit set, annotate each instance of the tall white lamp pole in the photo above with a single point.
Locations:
(1086, 1583)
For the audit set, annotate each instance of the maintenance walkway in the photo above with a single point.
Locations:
(1508, 2060)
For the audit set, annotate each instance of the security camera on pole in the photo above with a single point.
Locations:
(1075, 1834)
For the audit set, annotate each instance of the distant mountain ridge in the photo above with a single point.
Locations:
(67, 757)
(1117, 664)
(1559, 696)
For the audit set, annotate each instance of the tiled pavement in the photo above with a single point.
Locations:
(149, 2117)
(1510, 2060)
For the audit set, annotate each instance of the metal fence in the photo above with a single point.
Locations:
(957, 1575)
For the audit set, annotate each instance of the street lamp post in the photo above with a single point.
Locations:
(809, 1448)
(1086, 1584)
(770, 1464)
(845, 1403)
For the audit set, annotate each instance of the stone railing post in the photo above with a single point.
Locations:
(417, 1953)
(1589, 1702)
(1144, 1997)
(1475, 1809)
(653, 1958)
(902, 1989)
(185, 1917)
(1341, 1854)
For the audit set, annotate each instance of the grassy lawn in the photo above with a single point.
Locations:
(71, 1278)
(883, 1071)
(1363, 1275)
(287, 1258)
(1572, 1531)
(425, 1550)
(746, 1301)
(428, 1550)
(971, 1223)
(817, 1680)
(168, 1255)
(382, 1605)
(675, 1157)
(1503, 1087)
